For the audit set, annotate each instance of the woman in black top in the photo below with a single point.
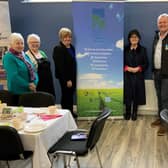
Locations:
(135, 63)
(65, 68)
(42, 64)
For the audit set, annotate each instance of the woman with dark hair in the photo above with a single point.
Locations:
(135, 63)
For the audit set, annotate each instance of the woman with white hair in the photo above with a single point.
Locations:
(21, 74)
(42, 64)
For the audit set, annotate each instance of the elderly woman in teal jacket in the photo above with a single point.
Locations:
(21, 74)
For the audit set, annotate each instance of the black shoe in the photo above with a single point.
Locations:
(127, 116)
(75, 115)
(134, 116)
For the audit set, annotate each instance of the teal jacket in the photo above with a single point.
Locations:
(17, 73)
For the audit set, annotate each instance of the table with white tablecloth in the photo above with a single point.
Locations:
(40, 142)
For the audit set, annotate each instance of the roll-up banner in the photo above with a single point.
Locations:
(98, 30)
(5, 31)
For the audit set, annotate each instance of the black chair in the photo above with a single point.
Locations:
(9, 98)
(37, 99)
(11, 147)
(164, 117)
(76, 148)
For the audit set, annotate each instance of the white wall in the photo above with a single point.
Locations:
(151, 99)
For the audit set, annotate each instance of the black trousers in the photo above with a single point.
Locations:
(129, 108)
(161, 86)
(67, 96)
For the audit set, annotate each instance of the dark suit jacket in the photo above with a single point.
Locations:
(65, 64)
(164, 54)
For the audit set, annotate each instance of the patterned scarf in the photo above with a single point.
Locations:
(20, 55)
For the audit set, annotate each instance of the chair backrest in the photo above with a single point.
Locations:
(97, 128)
(10, 143)
(37, 99)
(164, 117)
(9, 98)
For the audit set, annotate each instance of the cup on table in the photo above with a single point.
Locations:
(52, 109)
(2, 105)
(17, 123)
(23, 116)
(19, 113)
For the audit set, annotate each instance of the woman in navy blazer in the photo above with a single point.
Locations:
(65, 68)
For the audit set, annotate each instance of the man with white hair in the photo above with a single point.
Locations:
(160, 70)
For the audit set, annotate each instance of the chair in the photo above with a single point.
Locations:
(164, 117)
(11, 147)
(76, 148)
(37, 99)
(9, 98)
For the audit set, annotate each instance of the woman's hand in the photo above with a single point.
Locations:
(32, 87)
(133, 69)
(129, 69)
(69, 84)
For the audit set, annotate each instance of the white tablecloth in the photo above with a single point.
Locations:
(40, 142)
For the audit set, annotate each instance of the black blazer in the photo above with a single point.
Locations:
(134, 84)
(65, 64)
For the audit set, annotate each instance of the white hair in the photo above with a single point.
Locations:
(37, 37)
(14, 37)
(162, 15)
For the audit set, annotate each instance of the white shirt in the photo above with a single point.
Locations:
(157, 54)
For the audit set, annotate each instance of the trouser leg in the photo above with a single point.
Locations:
(164, 94)
(127, 113)
(158, 83)
(67, 97)
(134, 112)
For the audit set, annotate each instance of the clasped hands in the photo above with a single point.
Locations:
(133, 69)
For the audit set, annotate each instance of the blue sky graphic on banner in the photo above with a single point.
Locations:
(98, 33)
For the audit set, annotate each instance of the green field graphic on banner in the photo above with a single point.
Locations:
(92, 101)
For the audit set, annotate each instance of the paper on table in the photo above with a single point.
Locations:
(46, 117)
(79, 136)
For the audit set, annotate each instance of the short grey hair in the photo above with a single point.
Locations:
(63, 32)
(37, 37)
(14, 37)
(162, 15)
